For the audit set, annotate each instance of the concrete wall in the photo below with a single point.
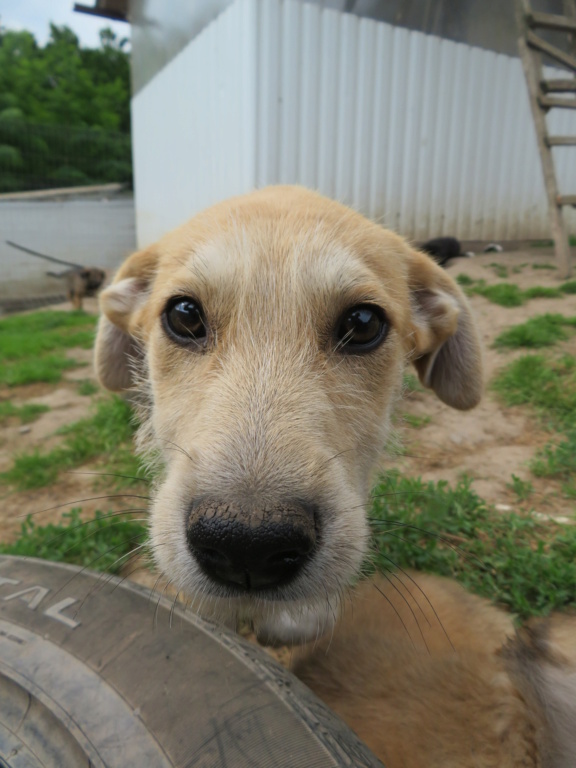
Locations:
(93, 232)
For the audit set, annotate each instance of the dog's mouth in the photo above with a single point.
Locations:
(252, 551)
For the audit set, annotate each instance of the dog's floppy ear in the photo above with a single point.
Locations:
(117, 345)
(447, 351)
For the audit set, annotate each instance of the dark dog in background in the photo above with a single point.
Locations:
(443, 249)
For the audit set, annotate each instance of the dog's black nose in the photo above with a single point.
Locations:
(253, 549)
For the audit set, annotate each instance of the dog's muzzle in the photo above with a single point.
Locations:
(251, 548)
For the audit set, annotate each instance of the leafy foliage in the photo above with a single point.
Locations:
(64, 111)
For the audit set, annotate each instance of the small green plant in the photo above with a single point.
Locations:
(102, 543)
(558, 460)
(24, 413)
(514, 559)
(522, 488)
(541, 243)
(87, 387)
(463, 279)
(410, 383)
(500, 270)
(417, 422)
(543, 266)
(539, 331)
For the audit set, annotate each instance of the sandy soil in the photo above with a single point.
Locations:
(489, 443)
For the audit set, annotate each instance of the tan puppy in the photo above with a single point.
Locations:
(268, 339)
(429, 675)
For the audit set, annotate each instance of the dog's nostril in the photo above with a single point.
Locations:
(254, 549)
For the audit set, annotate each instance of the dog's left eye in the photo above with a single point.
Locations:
(361, 328)
(183, 319)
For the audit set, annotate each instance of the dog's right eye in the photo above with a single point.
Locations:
(184, 321)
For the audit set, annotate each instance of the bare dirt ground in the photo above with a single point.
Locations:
(489, 443)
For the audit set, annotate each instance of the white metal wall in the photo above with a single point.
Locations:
(423, 134)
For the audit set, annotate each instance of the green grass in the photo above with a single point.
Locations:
(510, 295)
(558, 460)
(416, 421)
(543, 266)
(538, 331)
(107, 433)
(516, 560)
(549, 386)
(87, 387)
(32, 346)
(465, 280)
(569, 287)
(542, 292)
(522, 488)
(102, 543)
(24, 413)
(504, 294)
(410, 384)
(500, 270)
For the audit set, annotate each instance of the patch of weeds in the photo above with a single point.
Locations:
(24, 413)
(522, 488)
(463, 279)
(47, 369)
(500, 270)
(516, 560)
(549, 386)
(559, 461)
(102, 543)
(88, 387)
(103, 434)
(504, 294)
(29, 345)
(543, 266)
(542, 243)
(416, 421)
(569, 287)
(539, 331)
(542, 292)
(411, 383)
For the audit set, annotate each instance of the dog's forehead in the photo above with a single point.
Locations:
(319, 249)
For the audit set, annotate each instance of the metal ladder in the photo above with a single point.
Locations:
(531, 47)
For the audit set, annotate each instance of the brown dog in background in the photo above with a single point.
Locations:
(430, 676)
(81, 282)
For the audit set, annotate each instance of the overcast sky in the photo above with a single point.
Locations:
(36, 15)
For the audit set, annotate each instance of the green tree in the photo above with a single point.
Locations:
(64, 110)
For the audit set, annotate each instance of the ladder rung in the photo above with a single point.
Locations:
(561, 141)
(547, 102)
(558, 86)
(555, 53)
(566, 200)
(551, 21)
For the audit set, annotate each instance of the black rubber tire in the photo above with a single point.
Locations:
(95, 673)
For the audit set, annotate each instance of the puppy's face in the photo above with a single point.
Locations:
(269, 336)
